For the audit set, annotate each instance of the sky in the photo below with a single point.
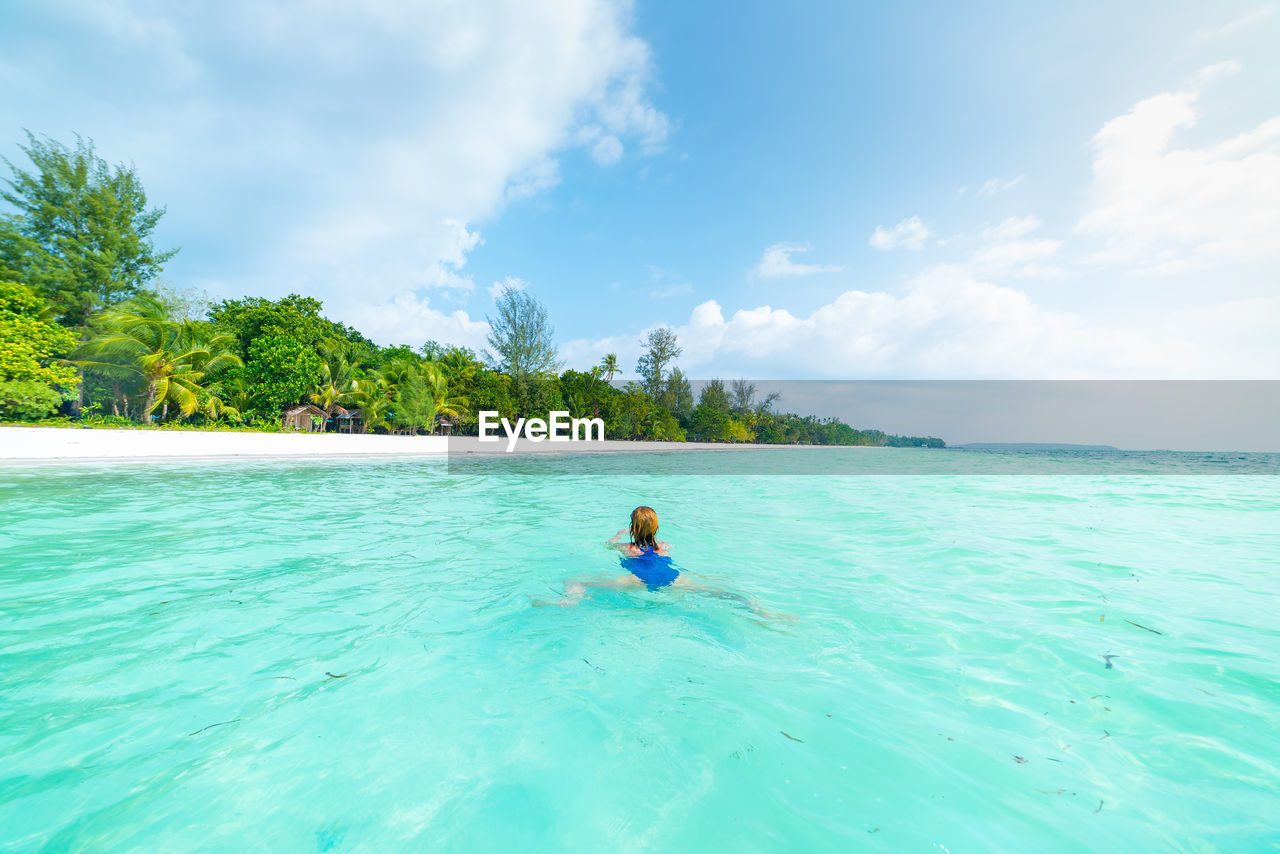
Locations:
(820, 190)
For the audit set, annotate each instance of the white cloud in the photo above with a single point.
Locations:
(1012, 228)
(369, 132)
(1008, 252)
(949, 324)
(607, 150)
(998, 185)
(1158, 208)
(909, 234)
(508, 283)
(776, 261)
(1249, 19)
(409, 319)
(1016, 258)
(1151, 207)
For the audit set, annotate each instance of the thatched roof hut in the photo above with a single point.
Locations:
(348, 420)
(308, 419)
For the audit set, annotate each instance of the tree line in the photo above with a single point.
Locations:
(88, 332)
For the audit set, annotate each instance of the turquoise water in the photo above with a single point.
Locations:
(344, 656)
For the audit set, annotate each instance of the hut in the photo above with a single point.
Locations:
(443, 427)
(348, 420)
(308, 419)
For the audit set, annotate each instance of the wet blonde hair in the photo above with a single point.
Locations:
(644, 527)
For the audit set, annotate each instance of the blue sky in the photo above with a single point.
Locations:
(825, 190)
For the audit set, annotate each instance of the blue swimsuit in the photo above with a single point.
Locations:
(655, 570)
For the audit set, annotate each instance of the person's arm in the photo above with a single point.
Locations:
(613, 543)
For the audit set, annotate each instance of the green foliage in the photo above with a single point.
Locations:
(521, 336)
(296, 316)
(82, 231)
(715, 396)
(661, 349)
(536, 393)
(709, 423)
(337, 376)
(78, 246)
(173, 361)
(291, 353)
(422, 395)
(27, 400)
(677, 395)
(33, 383)
(281, 370)
(29, 343)
(609, 366)
(486, 390)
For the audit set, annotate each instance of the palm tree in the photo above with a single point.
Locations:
(214, 404)
(609, 364)
(458, 365)
(450, 406)
(337, 377)
(173, 360)
(373, 394)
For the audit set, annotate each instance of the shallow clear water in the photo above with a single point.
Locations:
(344, 656)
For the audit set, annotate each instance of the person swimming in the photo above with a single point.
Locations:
(643, 556)
(649, 565)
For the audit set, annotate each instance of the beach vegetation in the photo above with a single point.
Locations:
(137, 345)
(609, 366)
(81, 231)
(34, 383)
(521, 336)
(90, 336)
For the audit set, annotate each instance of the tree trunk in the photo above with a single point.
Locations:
(150, 404)
(78, 403)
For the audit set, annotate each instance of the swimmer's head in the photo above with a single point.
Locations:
(644, 527)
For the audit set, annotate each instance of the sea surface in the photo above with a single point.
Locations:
(350, 656)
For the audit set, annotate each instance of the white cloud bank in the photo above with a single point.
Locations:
(951, 324)
(1158, 208)
(909, 234)
(369, 136)
(1153, 208)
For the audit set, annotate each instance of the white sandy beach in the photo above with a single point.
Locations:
(70, 444)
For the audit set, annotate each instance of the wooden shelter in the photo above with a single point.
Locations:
(443, 427)
(308, 419)
(348, 420)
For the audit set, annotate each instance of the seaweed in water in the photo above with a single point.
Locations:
(211, 726)
(336, 675)
(792, 737)
(1139, 625)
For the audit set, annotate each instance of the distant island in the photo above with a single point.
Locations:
(1032, 446)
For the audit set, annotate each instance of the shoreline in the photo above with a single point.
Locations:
(96, 445)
